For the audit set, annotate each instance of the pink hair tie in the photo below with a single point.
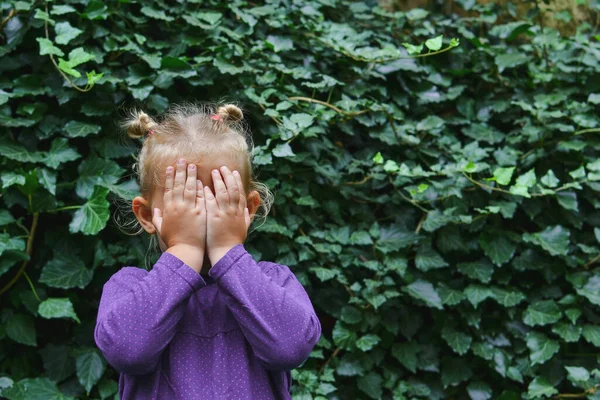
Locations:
(216, 117)
(150, 132)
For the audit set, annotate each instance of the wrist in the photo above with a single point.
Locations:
(216, 253)
(191, 255)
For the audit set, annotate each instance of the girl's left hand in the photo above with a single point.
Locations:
(228, 218)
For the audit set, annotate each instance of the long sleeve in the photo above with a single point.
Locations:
(139, 311)
(271, 307)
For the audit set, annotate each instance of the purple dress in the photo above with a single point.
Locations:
(235, 334)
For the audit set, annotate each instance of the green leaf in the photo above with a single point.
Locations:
(156, 14)
(279, 43)
(459, 342)
(434, 44)
(47, 47)
(541, 347)
(66, 271)
(367, 342)
(550, 179)
(412, 49)
(591, 333)
(19, 153)
(511, 60)
(497, 247)
(553, 239)
(10, 178)
(65, 33)
(540, 387)
(481, 270)
(567, 332)
(406, 353)
(428, 259)
(57, 308)
(503, 175)
(91, 218)
(21, 329)
(423, 290)
(283, 150)
(80, 129)
(370, 384)
(90, 367)
(60, 153)
(8, 242)
(578, 374)
(477, 293)
(58, 362)
(479, 391)
(542, 313)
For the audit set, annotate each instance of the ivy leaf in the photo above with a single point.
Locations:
(406, 353)
(58, 362)
(80, 129)
(367, 342)
(542, 313)
(423, 290)
(459, 342)
(567, 332)
(497, 247)
(91, 218)
(283, 150)
(90, 367)
(540, 387)
(278, 43)
(47, 48)
(479, 391)
(434, 44)
(591, 333)
(550, 179)
(412, 49)
(553, 239)
(503, 175)
(370, 384)
(21, 329)
(66, 271)
(541, 347)
(59, 153)
(578, 374)
(57, 308)
(65, 33)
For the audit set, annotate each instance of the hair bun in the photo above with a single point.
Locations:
(230, 113)
(139, 124)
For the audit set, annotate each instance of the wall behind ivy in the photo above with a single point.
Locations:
(436, 179)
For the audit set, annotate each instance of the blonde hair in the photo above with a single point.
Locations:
(195, 132)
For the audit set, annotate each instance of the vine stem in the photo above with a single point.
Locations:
(28, 250)
(32, 287)
(64, 208)
(87, 87)
(484, 185)
(339, 110)
(377, 60)
(592, 261)
(11, 14)
(332, 356)
(581, 132)
(591, 390)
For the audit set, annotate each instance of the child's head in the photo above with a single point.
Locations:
(207, 136)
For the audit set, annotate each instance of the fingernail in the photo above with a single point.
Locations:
(169, 169)
(192, 166)
(181, 161)
(236, 172)
(215, 171)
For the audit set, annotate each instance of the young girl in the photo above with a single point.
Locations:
(208, 321)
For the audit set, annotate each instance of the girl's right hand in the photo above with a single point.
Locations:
(182, 221)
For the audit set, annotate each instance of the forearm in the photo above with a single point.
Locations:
(271, 306)
(137, 317)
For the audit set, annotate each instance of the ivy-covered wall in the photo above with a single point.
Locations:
(436, 178)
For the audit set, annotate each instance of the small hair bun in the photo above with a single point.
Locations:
(139, 124)
(230, 113)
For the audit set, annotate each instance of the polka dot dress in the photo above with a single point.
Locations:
(234, 334)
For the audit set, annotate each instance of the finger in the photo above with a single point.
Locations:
(189, 195)
(220, 189)
(200, 195)
(179, 182)
(232, 186)
(210, 201)
(242, 199)
(168, 196)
